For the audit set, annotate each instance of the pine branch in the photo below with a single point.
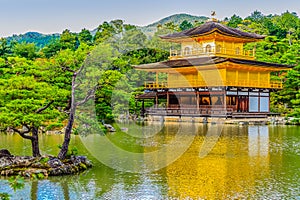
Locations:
(44, 108)
(23, 133)
(67, 69)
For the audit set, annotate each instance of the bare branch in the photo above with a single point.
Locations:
(23, 133)
(44, 108)
(90, 95)
(77, 85)
(80, 69)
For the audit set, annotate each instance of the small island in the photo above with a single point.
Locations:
(41, 167)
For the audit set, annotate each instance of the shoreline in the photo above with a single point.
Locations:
(236, 121)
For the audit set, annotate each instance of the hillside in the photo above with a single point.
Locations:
(33, 37)
(176, 19)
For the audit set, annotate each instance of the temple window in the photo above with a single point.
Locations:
(208, 48)
(218, 49)
(187, 51)
(231, 100)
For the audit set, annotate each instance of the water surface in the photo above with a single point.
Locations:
(247, 162)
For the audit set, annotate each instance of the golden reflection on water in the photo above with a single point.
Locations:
(247, 162)
(238, 159)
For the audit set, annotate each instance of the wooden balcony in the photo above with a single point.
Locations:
(212, 83)
(223, 52)
(209, 111)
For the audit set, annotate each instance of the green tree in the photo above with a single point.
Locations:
(256, 16)
(157, 43)
(5, 48)
(27, 100)
(51, 49)
(68, 66)
(185, 25)
(234, 21)
(85, 36)
(26, 50)
(131, 39)
(69, 40)
(171, 26)
(289, 23)
(291, 93)
(103, 97)
(104, 32)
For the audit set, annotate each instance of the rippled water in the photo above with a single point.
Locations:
(246, 162)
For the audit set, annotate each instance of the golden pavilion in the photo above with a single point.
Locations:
(211, 75)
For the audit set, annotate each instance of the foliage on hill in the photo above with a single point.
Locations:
(176, 19)
(40, 40)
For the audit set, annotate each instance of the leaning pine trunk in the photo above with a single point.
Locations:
(35, 143)
(64, 149)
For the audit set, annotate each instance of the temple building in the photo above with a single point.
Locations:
(211, 76)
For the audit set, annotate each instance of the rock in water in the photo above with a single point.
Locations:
(109, 127)
(5, 153)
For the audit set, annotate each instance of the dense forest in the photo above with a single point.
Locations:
(36, 81)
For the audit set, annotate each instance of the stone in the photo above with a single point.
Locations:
(5, 153)
(109, 127)
(55, 162)
(23, 161)
(5, 162)
(29, 172)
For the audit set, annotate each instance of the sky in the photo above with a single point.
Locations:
(54, 16)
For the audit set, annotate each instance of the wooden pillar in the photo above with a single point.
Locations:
(238, 103)
(259, 101)
(156, 81)
(168, 99)
(225, 101)
(269, 102)
(198, 100)
(156, 100)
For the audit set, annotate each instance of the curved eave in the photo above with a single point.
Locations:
(274, 66)
(208, 61)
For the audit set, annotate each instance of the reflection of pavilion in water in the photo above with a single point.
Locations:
(237, 161)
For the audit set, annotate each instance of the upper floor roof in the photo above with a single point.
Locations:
(211, 27)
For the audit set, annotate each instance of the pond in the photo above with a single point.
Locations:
(173, 161)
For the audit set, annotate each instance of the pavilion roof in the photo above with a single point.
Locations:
(210, 27)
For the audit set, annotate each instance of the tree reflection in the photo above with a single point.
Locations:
(34, 190)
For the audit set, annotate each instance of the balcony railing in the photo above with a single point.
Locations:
(214, 83)
(201, 111)
(211, 51)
